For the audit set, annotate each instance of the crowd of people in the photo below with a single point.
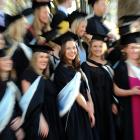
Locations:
(66, 76)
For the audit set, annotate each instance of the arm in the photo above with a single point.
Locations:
(25, 85)
(82, 102)
(123, 92)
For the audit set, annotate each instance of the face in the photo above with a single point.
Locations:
(2, 42)
(81, 29)
(69, 3)
(70, 50)
(42, 60)
(6, 64)
(97, 49)
(133, 51)
(44, 14)
(101, 7)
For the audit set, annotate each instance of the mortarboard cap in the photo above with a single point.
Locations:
(38, 4)
(10, 19)
(130, 26)
(75, 15)
(27, 12)
(99, 37)
(130, 38)
(65, 37)
(50, 35)
(40, 48)
(129, 18)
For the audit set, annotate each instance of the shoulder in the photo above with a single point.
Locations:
(29, 75)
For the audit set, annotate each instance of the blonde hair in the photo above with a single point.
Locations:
(75, 24)
(37, 25)
(15, 31)
(90, 47)
(45, 73)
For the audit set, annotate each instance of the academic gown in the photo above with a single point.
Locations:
(20, 63)
(8, 133)
(75, 122)
(121, 79)
(44, 101)
(96, 26)
(101, 88)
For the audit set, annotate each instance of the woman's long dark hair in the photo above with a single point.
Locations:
(76, 61)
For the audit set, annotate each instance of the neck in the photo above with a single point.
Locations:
(96, 59)
(134, 62)
(97, 14)
(4, 76)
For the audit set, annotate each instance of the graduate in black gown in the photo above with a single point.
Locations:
(9, 97)
(20, 53)
(41, 119)
(128, 120)
(99, 75)
(74, 100)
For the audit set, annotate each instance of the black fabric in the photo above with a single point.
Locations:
(96, 26)
(78, 124)
(58, 17)
(20, 63)
(101, 88)
(50, 112)
(121, 79)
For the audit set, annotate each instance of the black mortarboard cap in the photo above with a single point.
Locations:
(3, 52)
(2, 29)
(75, 15)
(38, 4)
(99, 37)
(130, 38)
(130, 27)
(27, 12)
(65, 37)
(40, 48)
(50, 35)
(129, 18)
(10, 19)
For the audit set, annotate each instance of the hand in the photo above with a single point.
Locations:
(43, 127)
(114, 109)
(20, 134)
(136, 90)
(16, 123)
(92, 119)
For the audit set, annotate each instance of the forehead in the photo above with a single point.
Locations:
(70, 43)
(131, 45)
(96, 43)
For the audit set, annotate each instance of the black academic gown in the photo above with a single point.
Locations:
(20, 63)
(32, 117)
(44, 101)
(101, 87)
(58, 17)
(78, 124)
(121, 79)
(96, 26)
(8, 133)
